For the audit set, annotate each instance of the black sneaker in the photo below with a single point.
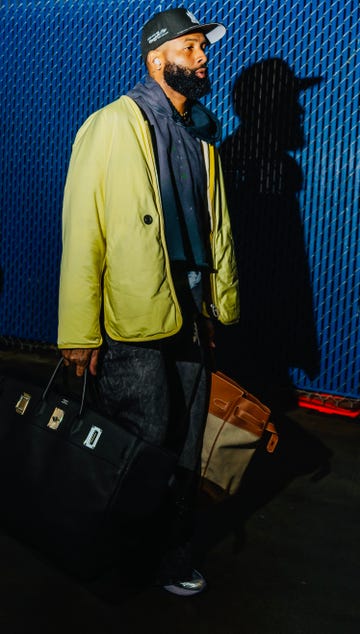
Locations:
(187, 587)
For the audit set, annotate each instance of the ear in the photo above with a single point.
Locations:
(154, 60)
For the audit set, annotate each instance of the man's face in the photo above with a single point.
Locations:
(185, 68)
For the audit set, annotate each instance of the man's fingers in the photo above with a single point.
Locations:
(94, 361)
(80, 369)
(81, 358)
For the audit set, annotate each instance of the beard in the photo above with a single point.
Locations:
(186, 82)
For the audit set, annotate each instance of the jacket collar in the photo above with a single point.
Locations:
(204, 126)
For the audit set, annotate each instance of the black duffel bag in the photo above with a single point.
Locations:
(71, 478)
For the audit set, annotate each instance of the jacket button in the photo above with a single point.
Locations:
(148, 219)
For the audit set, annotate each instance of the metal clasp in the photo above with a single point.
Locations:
(56, 418)
(22, 403)
(92, 438)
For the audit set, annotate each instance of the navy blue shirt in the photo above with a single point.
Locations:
(182, 172)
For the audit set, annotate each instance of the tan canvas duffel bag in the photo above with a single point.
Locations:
(236, 423)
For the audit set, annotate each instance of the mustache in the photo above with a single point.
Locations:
(190, 71)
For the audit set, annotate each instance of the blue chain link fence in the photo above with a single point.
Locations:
(62, 59)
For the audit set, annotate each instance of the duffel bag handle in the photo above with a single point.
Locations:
(83, 390)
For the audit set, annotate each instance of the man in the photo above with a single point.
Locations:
(148, 254)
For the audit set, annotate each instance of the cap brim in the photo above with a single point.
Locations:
(213, 31)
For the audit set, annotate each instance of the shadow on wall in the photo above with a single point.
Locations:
(277, 328)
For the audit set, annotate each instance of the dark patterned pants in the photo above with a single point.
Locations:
(160, 390)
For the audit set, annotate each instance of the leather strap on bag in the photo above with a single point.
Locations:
(274, 438)
(240, 408)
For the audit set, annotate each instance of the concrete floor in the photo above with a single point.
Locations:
(281, 558)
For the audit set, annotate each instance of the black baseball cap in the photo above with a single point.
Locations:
(173, 23)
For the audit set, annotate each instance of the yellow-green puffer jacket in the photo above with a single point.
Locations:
(113, 236)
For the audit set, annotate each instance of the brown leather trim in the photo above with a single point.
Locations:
(232, 403)
(272, 443)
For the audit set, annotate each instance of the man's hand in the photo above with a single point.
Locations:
(81, 358)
